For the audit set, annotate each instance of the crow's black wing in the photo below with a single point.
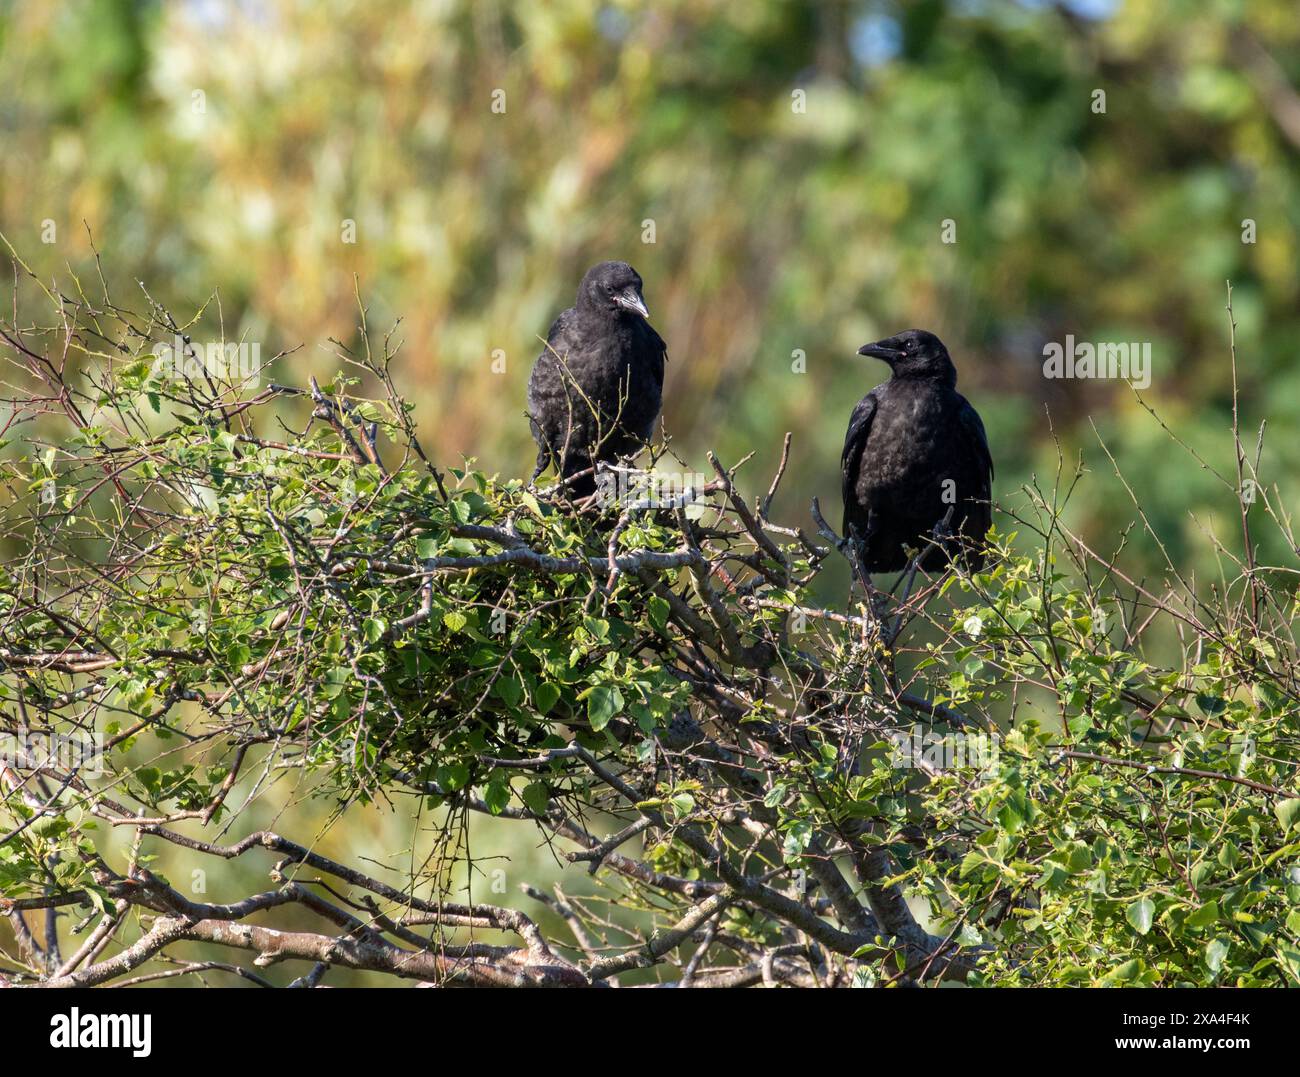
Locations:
(855, 441)
(658, 356)
(562, 337)
(977, 441)
(548, 395)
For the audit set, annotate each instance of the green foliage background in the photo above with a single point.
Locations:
(775, 230)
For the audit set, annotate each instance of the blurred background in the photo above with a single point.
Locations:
(794, 165)
(791, 180)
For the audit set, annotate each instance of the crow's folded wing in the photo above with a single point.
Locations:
(563, 336)
(659, 357)
(977, 442)
(855, 442)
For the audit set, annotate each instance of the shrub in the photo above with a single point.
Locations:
(1047, 772)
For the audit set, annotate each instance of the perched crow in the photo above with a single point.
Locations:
(596, 389)
(915, 447)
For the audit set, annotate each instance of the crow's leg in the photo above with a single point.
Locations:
(856, 547)
(909, 574)
(874, 597)
(938, 534)
(544, 451)
(543, 459)
(943, 529)
(853, 547)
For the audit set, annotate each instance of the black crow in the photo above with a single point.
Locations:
(596, 389)
(915, 449)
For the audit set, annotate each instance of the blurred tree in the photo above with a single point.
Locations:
(794, 165)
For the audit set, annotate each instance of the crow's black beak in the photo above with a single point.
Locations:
(630, 299)
(881, 350)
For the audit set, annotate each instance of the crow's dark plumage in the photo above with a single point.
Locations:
(596, 389)
(915, 447)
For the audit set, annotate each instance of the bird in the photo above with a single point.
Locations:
(916, 467)
(597, 387)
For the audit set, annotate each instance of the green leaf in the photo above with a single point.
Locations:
(497, 795)
(238, 655)
(536, 798)
(1206, 915)
(1140, 913)
(452, 776)
(1289, 958)
(1129, 970)
(509, 690)
(683, 804)
(602, 704)
(1215, 951)
(454, 620)
(545, 696)
(658, 609)
(1288, 812)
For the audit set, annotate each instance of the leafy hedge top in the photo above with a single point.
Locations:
(1081, 776)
